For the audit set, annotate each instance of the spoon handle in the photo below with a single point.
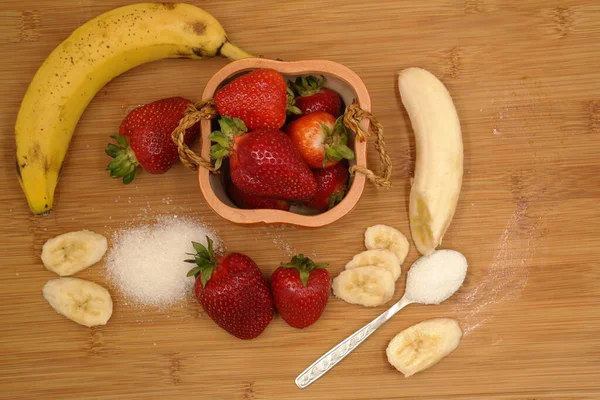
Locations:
(345, 347)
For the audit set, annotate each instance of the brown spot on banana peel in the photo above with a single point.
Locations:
(47, 165)
(183, 54)
(198, 27)
(168, 6)
(35, 153)
(201, 52)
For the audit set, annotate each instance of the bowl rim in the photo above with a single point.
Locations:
(268, 216)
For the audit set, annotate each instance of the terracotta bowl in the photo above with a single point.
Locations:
(338, 78)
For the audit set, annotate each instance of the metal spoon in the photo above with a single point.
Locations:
(416, 276)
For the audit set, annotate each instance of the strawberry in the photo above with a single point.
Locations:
(300, 291)
(145, 139)
(262, 163)
(243, 200)
(331, 187)
(314, 97)
(232, 291)
(321, 139)
(259, 98)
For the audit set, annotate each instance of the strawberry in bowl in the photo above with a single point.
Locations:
(313, 96)
(247, 201)
(332, 185)
(259, 98)
(263, 162)
(321, 139)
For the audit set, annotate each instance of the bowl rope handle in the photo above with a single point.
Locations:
(353, 116)
(352, 119)
(204, 109)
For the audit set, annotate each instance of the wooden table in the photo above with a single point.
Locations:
(525, 77)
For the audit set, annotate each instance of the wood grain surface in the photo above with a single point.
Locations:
(526, 82)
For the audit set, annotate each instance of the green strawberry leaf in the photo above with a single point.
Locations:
(210, 246)
(223, 139)
(218, 163)
(345, 152)
(304, 265)
(309, 85)
(204, 259)
(129, 177)
(112, 150)
(291, 103)
(194, 271)
(331, 154)
(199, 247)
(205, 275)
(220, 139)
(123, 164)
(304, 275)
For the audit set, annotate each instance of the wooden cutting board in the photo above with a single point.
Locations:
(526, 82)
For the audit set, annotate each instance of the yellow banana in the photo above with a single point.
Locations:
(88, 59)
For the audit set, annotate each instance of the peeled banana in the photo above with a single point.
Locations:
(72, 252)
(423, 345)
(439, 165)
(88, 59)
(378, 258)
(368, 286)
(387, 238)
(84, 302)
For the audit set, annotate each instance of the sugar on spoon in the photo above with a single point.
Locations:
(431, 280)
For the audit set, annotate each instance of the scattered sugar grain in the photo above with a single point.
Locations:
(146, 263)
(434, 278)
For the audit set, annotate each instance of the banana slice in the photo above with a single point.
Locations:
(423, 345)
(72, 252)
(439, 166)
(378, 258)
(387, 238)
(81, 301)
(368, 286)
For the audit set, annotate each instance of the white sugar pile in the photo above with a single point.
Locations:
(146, 263)
(435, 278)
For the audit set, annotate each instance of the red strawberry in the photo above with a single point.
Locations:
(263, 163)
(259, 98)
(314, 97)
(145, 139)
(300, 291)
(321, 139)
(331, 187)
(232, 291)
(243, 200)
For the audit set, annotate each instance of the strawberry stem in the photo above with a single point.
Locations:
(304, 265)
(336, 197)
(204, 259)
(335, 142)
(309, 85)
(291, 103)
(223, 139)
(123, 164)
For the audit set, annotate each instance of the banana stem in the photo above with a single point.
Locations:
(232, 52)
